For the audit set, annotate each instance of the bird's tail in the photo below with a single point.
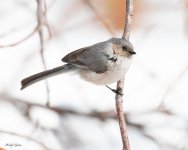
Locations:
(45, 74)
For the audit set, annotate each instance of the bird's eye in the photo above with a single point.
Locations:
(124, 48)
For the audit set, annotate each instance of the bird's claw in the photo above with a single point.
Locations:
(117, 91)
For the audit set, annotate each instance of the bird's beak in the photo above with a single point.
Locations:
(132, 52)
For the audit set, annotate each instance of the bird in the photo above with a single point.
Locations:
(102, 63)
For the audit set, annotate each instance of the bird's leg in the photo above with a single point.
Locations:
(115, 91)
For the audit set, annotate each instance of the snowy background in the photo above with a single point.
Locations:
(81, 115)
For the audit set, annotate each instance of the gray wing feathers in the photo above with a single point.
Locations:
(94, 57)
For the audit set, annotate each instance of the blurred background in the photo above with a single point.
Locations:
(36, 34)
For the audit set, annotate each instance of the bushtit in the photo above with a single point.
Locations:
(102, 63)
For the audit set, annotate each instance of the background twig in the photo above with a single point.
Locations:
(98, 16)
(41, 18)
(22, 40)
(128, 19)
(120, 83)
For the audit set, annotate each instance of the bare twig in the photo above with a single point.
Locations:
(128, 19)
(61, 111)
(46, 20)
(42, 10)
(42, 21)
(171, 86)
(22, 40)
(186, 16)
(66, 111)
(120, 83)
(24, 107)
(120, 115)
(99, 17)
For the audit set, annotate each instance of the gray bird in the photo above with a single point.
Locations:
(102, 63)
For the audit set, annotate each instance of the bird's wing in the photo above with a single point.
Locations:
(89, 58)
(73, 57)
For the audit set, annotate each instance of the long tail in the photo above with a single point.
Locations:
(45, 74)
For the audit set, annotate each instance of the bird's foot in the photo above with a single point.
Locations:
(117, 91)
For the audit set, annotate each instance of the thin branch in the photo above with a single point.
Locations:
(26, 137)
(171, 86)
(99, 17)
(128, 19)
(120, 115)
(105, 115)
(22, 40)
(186, 17)
(61, 111)
(46, 20)
(24, 107)
(120, 83)
(41, 18)
(45, 23)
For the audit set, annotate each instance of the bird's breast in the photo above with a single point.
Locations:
(116, 70)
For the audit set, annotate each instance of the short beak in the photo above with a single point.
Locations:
(132, 52)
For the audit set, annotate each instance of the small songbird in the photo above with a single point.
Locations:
(102, 63)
